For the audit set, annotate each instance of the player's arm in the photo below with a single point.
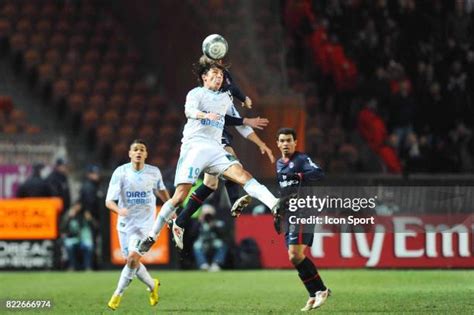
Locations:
(310, 172)
(264, 149)
(191, 108)
(112, 206)
(163, 194)
(257, 122)
(113, 193)
(159, 188)
(237, 92)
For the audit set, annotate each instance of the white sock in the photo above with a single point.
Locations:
(260, 192)
(125, 278)
(144, 276)
(162, 218)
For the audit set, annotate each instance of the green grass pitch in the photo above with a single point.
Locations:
(245, 292)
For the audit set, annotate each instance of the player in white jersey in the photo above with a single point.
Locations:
(201, 151)
(134, 185)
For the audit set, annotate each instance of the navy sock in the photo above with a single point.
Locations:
(194, 202)
(232, 191)
(310, 277)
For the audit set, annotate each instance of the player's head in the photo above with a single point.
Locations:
(286, 141)
(210, 75)
(206, 60)
(138, 152)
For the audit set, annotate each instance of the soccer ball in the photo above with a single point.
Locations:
(215, 46)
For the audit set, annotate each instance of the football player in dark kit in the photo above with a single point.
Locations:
(293, 170)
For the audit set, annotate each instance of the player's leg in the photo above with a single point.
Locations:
(153, 284)
(128, 271)
(142, 273)
(238, 204)
(232, 187)
(196, 199)
(165, 214)
(297, 244)
(169, 208)
(239, 175)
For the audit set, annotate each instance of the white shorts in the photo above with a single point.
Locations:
(201, 156)
(130, 240)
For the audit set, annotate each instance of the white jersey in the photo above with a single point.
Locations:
(134, 191)
(207, 101)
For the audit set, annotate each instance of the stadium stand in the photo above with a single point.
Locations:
(399, 72)
(79, 57)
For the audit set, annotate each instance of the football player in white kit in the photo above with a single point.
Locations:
(135, 186)
(201, 151)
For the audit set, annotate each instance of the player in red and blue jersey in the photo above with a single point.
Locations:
(295, 169)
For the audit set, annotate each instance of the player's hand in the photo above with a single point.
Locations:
(212, 116)
(247, 103)
(123, 212)
(256, 123)
(266, 150)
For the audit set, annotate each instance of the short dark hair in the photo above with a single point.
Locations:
(203, 66)
(138, 141)
(286, 131)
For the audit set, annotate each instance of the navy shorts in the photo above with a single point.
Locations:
(298, 237)
(226, 139)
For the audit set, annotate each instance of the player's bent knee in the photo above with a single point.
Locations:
(133, 260)
(238, 174)
(180, 194)
(211, 181)
(295, 257)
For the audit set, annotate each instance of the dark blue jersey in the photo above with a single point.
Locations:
(298, 170)
(229, 85)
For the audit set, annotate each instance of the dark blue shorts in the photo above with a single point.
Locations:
(299, 238)
(226, 138)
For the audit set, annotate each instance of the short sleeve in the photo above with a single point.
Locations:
(113, 192)
(158, 183)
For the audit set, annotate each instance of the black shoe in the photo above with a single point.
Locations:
(145, 245)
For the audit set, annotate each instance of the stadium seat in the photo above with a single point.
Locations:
(92, 56)
(58, 41)
(76, 103)
(37, 41)
(131, 117)
(44, 26)
(24, 25)
(90, 119)
(117, 102)
(121, 87)
(52, 56)
(87, 71)
(66, 71)
(82, 86)
(112, 117)
(97, 102)
(101, 87)
(76, 42)
(111, 56)
(63, 26)
(107, 71)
